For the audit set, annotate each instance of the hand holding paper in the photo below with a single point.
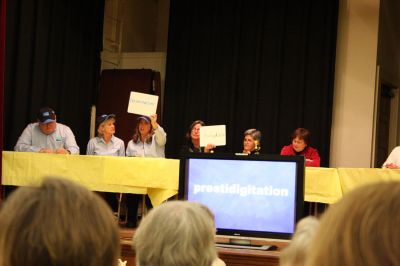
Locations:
(153, 119)
(212, 134)
(209, 148)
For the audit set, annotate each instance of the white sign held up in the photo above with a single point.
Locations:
(142, 103)
(213, 135)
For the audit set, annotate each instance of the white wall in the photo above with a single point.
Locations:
(354, 93)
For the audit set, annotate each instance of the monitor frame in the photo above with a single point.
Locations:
(299, 188)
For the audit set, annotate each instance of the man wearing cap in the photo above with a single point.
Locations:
(47, 136)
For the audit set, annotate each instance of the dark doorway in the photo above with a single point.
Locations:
(386, 97)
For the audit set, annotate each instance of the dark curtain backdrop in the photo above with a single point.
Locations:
(52, 59)
(2, 62)
(251, 64)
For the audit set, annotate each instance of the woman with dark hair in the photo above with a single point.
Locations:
(300, 146)
(251, 141)
(192, 139)
(148, 140)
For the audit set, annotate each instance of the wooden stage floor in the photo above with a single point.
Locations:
(231, 256)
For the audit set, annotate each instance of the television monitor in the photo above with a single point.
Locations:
(255, 196)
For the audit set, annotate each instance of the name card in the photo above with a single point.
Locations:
(142, 103)
(213, 135)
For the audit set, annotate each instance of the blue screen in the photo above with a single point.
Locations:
(245, 194)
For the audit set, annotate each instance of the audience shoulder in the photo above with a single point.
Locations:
(296, 252)
(57, 223)
(361, 229)
(176, 233)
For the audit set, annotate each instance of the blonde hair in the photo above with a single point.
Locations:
(296, 252)
(176, 233)
(361, 229)
(58, 223)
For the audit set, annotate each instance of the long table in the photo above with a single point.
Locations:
(158, 177)
(328, 185)
(322, 185)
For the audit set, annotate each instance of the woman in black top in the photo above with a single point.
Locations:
(192, 139)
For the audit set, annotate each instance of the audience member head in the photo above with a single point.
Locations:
(47, 120)
(361, 229)
(143, 130)
(176, 233)
(105, 125)
(58, 223)
(193, 132)
(295, 253)
(300, 139)
(252, 138)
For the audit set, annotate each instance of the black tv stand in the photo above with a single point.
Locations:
(244, 244)
(256, 247)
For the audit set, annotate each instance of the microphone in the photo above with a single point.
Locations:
(257, 147)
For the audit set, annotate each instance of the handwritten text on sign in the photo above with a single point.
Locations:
(212, 135)
(142, 103)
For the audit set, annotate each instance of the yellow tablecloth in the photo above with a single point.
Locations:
(157, 177)
(328, 185)
(322, 185)
(351, 178)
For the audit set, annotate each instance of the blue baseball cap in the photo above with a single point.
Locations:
(145, 118)
(103, 118)
(46, 115)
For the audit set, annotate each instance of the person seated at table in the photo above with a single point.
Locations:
(47, 136)
(360, 229)
(176, 233)
(192, 139)
(148, 140)
(251, 141)
(107, 144)
(57, 223)
(393, 161)
(300, 146)
(297, 250)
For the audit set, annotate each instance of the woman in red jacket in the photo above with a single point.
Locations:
(299, 146)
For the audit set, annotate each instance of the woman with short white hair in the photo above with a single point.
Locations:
(176, 233)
